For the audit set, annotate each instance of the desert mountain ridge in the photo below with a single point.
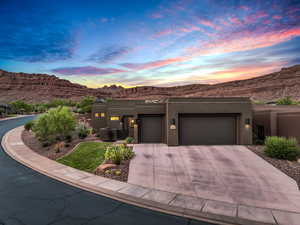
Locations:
(43, 87)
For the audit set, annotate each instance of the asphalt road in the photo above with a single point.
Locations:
(30, 198)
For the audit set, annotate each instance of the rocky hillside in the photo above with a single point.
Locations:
(42, 87)
(285, 82)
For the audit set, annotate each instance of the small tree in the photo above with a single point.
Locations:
(57, 123)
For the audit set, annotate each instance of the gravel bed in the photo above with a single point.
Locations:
(110, 173)
(31, 141)
(290, 168)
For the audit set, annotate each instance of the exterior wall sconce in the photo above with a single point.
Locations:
(247, 123)
(173, 124)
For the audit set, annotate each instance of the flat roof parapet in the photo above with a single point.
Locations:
(210, 99)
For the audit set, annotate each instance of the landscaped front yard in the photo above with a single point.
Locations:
(60, 135)
(87, 156)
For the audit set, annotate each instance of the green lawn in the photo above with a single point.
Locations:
(87, 156)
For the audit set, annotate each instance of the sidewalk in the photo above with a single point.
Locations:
(176, 204)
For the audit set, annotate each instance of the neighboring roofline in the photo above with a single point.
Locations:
(161, 101)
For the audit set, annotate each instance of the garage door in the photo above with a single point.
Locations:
(151, 129)
(207, 129)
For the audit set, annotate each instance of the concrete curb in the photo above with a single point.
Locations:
(171, 203)
(15, 117)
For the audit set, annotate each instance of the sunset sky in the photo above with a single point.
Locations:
(149, 42)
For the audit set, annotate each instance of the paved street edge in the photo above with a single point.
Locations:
(166, 202)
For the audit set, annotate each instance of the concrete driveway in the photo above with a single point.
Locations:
(226, 173)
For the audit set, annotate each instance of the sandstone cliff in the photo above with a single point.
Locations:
(43, 87)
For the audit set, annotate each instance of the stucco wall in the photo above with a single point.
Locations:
(242, 107)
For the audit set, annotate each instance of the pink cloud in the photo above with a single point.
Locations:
(190, 28)
(152, 64)
(224, 22)
(246, 41)
(244, 7)
(253, 18)
(235, 20)
(163, 33)
(276, 17)
(207, 23)
(261, 14)
(86, 70)
(156, 16)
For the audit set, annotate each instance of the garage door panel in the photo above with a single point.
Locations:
(151, 129)
(207, 130)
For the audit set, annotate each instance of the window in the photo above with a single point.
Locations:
(114, 118)
(102, 115)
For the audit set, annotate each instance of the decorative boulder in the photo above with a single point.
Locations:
(104, 167)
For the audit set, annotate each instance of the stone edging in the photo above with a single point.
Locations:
(171, 203)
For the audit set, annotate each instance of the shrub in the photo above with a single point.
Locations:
(113, 153)
(286, 101)
(20, 106)
(83, 132)
(282, 148)
(29, 125)
(127, 153)
(129, 140)
(56, 124)
(85, 105)
(117, 153)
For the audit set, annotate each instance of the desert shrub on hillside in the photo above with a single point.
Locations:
(286, 101)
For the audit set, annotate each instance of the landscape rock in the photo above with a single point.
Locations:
(104, 167)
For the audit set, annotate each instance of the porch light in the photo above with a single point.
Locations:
(247, 123)
(173, 124)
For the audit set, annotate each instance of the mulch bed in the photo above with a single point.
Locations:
(49, 151)
(110, 173)
(292, 169)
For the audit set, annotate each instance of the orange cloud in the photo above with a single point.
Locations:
(245, 72)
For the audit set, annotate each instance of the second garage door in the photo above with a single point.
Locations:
(214, 129)
(151, 128)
